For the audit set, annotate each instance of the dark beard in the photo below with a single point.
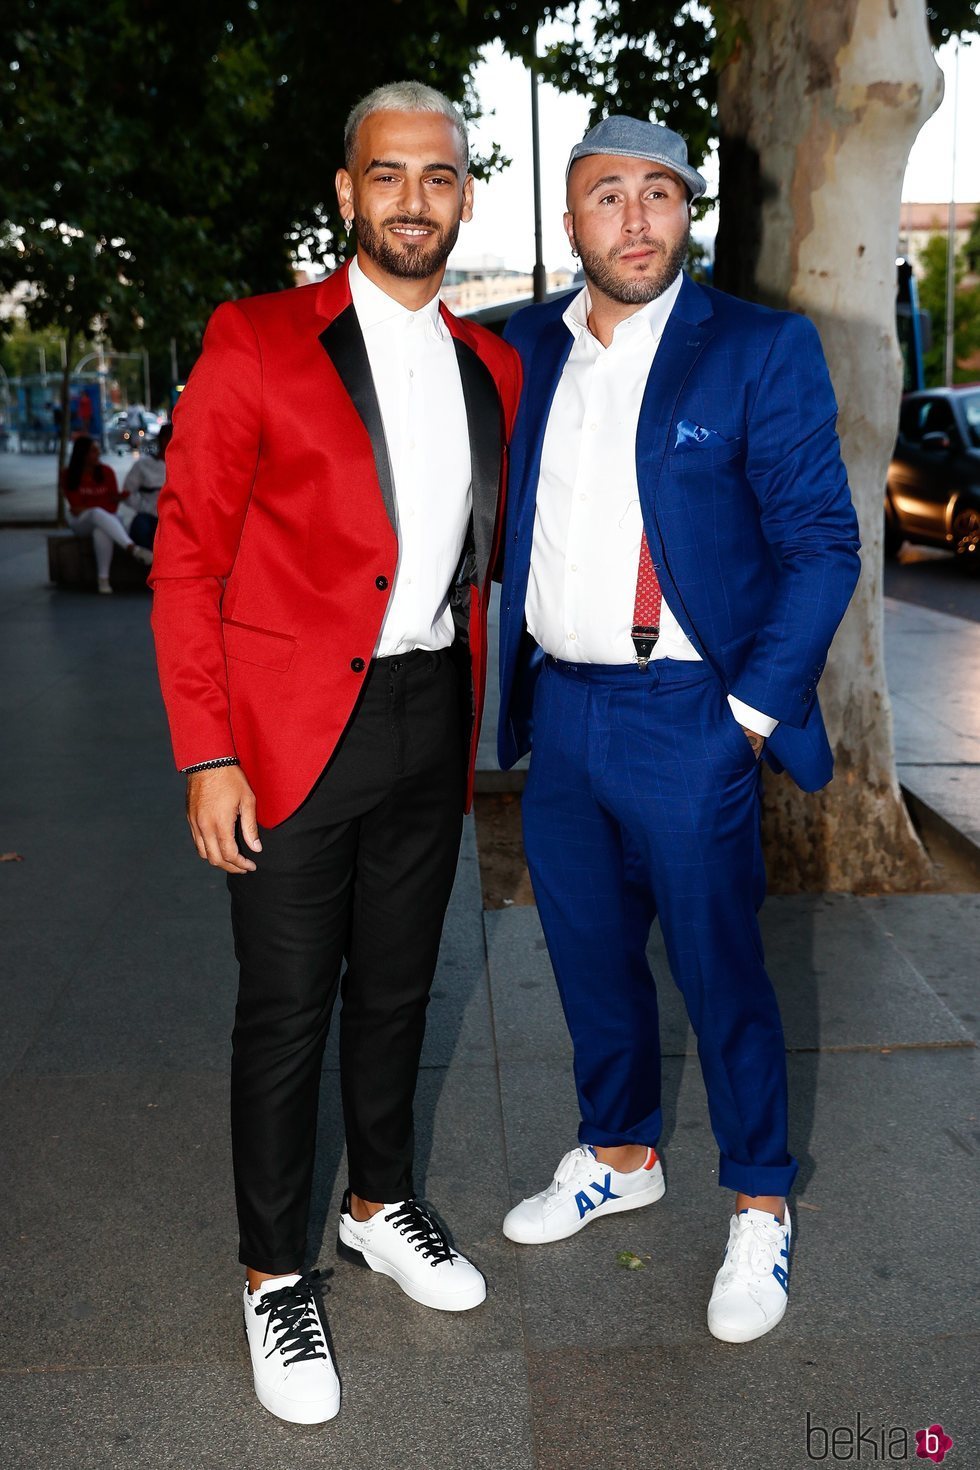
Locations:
(600, 271)
(411, 262)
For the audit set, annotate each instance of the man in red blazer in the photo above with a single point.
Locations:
(327, 529)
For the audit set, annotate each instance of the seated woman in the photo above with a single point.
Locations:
(92, 494)
(142, 487)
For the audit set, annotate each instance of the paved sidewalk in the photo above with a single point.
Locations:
(121, 1343)
(934, 680)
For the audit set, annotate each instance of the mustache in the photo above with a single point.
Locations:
(418, 223)
(644, 244)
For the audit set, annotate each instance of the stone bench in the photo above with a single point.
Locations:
(71, 563)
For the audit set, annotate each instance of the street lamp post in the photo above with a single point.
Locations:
(951, 241)
(539, 279)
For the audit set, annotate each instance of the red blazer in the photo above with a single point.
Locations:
(275, 553)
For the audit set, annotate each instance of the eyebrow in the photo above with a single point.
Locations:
(401, 167)
(618, 179)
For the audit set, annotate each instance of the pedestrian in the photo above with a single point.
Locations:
(142, 487)
(92, 494)
(680, 549)
(326, 532)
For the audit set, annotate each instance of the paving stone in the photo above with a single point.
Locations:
(419, 1410)
(937, 933)
(713, 1406)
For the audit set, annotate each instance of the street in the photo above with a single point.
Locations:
(933, 579)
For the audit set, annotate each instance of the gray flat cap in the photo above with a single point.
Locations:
(631, 137)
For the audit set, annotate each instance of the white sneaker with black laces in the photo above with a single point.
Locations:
(582, 1189)
(751, 1290)
(294, 1375)
(406, 1242)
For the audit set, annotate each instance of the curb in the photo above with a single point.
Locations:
(926, 818)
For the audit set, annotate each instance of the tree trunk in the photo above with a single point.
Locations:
(65, 425)
(818, 109)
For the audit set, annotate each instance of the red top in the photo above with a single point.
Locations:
(93, 494)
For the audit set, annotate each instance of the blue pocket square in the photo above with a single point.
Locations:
(693, 436)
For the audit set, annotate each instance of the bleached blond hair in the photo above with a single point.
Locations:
(402, 97)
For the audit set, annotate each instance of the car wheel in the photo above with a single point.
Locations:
(894, 536)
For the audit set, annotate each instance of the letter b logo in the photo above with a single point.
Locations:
(817, 1440)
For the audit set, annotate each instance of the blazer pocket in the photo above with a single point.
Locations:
(258, 646)
(690, 455)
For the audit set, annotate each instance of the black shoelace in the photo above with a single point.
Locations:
(294, 1321)
(412, 1220)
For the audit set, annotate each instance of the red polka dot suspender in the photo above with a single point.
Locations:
(646, 608)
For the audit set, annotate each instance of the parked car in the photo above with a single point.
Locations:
(933, 491)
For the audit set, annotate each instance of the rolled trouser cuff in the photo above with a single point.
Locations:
(756, 1179)
(644, 1135)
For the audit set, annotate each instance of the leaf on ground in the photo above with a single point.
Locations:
(801, 1204)
(629, 1260)
(10, 857)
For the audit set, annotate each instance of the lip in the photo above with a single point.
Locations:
(406, 232)
(638, 254)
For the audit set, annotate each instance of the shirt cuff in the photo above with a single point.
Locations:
(751, 719)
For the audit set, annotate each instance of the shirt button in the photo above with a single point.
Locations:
(574, 566)
(381, 583)
(593, 427)
(357, 664)
(583, 497)
(571, 637)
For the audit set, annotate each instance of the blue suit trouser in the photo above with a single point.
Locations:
(642, 801)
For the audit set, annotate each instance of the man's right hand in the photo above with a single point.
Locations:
(215, 800)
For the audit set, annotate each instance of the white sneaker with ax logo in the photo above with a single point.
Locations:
(582, 1189)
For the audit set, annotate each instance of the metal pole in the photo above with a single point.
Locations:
(173, 363)
(146, 378)
(951, 242)
(103, 373)
(539, 279)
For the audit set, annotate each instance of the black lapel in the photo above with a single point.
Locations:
(484, 423)
(344, 345)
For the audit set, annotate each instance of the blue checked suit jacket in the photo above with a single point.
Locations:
(745, 503)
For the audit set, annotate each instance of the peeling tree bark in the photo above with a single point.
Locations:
(818, 109)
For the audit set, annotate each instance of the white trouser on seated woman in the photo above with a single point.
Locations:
(104, 529)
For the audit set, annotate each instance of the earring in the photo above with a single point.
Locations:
(347, 225)
(574, 253)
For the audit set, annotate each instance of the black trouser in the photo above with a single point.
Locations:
(362, 872)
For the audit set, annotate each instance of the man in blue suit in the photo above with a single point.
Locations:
(680, 549)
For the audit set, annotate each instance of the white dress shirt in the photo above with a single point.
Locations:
(416, 377)
(588, 525)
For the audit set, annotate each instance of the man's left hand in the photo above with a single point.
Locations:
(756, 741)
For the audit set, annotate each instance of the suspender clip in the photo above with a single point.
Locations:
(644, 641)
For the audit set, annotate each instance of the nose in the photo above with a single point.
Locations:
(412, 199)
(634, 216)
